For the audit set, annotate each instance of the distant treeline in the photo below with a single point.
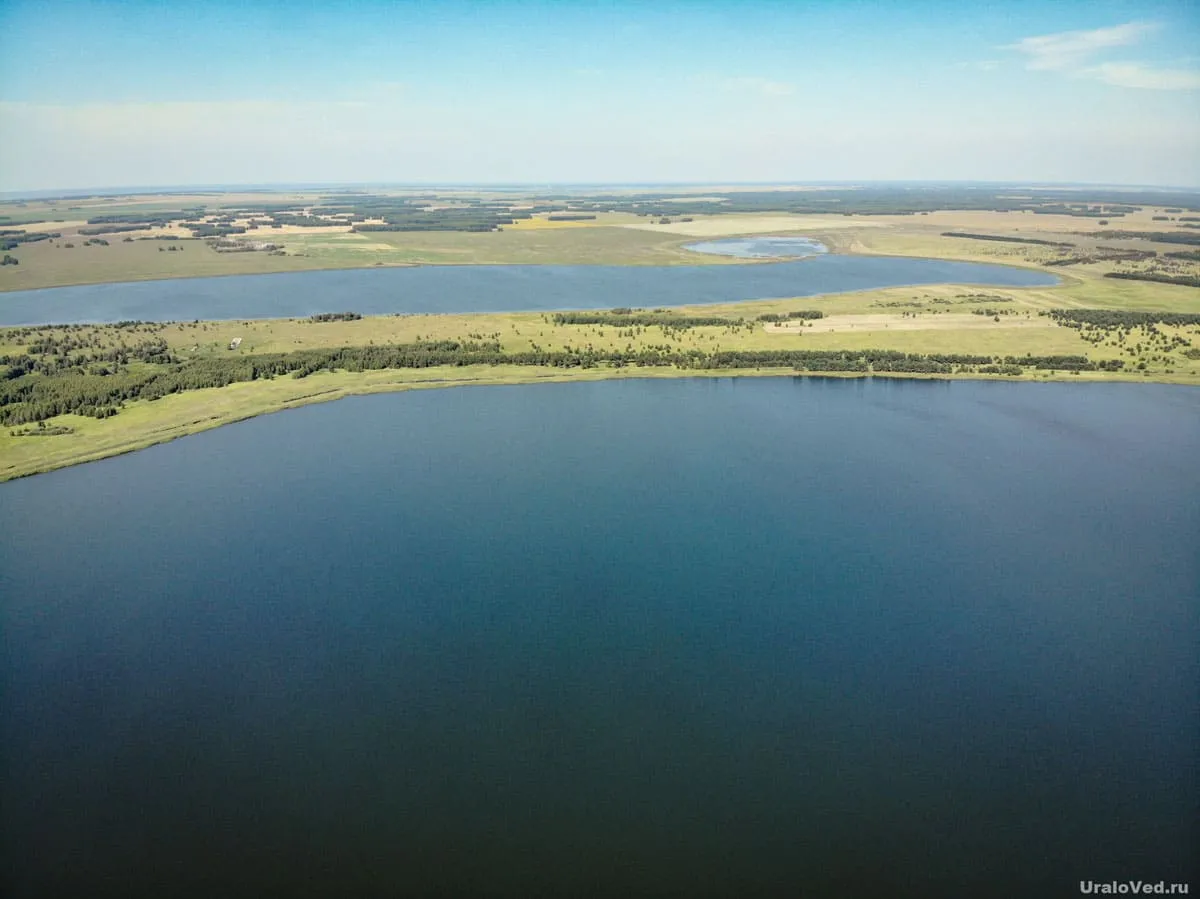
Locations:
(335, 317)
(1157, 236)
(1083, 210)
(1106, 254)
(1159, 277)
(10, 239)
(55, 378)
(302, 221)
(429, 224)
(627, 318)
(1033, 240)
(1193, 255)
(113, 229)
(570, 217)
(146, 220)
(782, 317)
(206, 230)
(1112, 318)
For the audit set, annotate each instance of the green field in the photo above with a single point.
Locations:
(52, 264)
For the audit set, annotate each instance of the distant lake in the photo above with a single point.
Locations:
(670, 637)
(488, 288)
(760, 247)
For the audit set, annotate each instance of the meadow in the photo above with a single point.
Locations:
(316, 230)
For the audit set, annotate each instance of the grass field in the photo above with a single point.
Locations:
(619, 238)
(51, 264)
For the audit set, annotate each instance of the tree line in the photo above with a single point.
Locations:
(969, 236)
(1157, 236)
(623, 318)
(1114, 318)
(782, 317)
(1159, 277)
(78, 384)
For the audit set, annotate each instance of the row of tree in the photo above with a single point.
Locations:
(1159, 277)
(1156, 236)
(782, 317)
(79, 385)
(1116, 318)
(623, 318)
(1004, 239)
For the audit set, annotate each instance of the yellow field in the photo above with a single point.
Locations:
(736, 224)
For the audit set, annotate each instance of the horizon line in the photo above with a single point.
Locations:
(271, 187)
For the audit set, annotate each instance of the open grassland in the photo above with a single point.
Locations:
(747, 224)
(522, 244)
(50, 263)
(944, 319)
(313, 236)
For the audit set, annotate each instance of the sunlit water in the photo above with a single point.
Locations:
(760, 247)
(488, 288)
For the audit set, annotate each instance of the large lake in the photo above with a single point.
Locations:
(656, 637)
(488, 288)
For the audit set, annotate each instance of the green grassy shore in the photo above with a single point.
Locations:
(926, 322)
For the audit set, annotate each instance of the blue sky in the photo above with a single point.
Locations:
(164, 93)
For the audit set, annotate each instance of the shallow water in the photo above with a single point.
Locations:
(760, 247)
(688, 637)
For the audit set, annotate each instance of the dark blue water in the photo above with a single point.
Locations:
(770, 247)
(686, 637)
(487, 288)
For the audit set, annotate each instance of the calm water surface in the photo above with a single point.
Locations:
(686, 637)
(760, 247)
(487, 288)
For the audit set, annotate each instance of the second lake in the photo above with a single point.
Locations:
(489, 288)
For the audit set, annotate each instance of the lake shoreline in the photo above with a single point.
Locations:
(608, 283)
(339, 390)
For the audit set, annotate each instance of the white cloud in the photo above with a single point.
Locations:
(1132, 74)
(1070, 49)
(1074, 53)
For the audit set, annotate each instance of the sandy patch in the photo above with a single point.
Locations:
(538, 223)
(947, 321)
(45, 226)
(266, 231)
(720, 225)
(1024, 222)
